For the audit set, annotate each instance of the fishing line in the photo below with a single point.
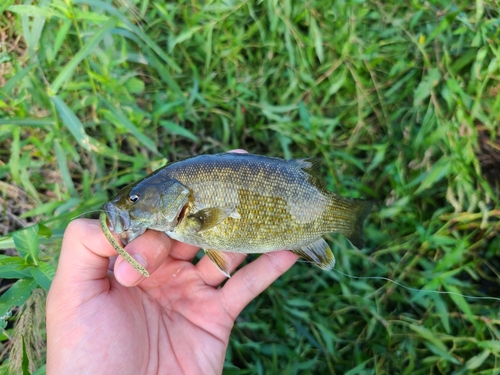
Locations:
(407, 287)
(414, 289)
(84, 213)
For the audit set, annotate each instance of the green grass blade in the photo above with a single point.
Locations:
(62, 162)
(134, 130)
(72, 122)
(75, 126)
(173, 128)
(61, 36)
(478, 360)
(35, 11)
(37, 28)
(6, 4)
(27, 122)
(87, 49)
(141, 34)
(12, 82)
(166, 76)
(25, 363)
(14, 161)
(318, 41)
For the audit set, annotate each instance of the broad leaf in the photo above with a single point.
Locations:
(27, 245)
(13, 267)
(43, 274)
(16, 295)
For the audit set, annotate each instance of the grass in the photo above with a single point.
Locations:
(400, 100)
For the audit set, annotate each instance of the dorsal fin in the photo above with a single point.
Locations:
(311, 166)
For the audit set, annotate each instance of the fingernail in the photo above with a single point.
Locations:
(127, 275)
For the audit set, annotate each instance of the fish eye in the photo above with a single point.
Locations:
(133, 198)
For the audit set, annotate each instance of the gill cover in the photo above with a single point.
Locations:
(172, 201)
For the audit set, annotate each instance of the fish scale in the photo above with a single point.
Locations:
(241, 203)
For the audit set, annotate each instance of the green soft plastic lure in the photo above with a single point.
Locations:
(118, 248)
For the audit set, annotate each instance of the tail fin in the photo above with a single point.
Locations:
(361, 210)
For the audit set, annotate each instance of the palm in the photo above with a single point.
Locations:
(177, 321)
(168, 323)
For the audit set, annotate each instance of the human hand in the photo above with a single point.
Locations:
(103, 317)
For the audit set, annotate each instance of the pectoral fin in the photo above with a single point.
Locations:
(221, 260)
(318, 253)
(210, 217)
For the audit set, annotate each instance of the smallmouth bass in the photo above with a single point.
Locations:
(242, 203)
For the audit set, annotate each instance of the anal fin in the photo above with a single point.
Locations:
(318, 253)
(221, 260)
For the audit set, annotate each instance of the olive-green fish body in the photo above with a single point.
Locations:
(242, 203)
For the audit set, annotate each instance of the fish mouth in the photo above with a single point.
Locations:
(119, 220)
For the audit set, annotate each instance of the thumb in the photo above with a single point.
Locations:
(83, 266)
(85, 252)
